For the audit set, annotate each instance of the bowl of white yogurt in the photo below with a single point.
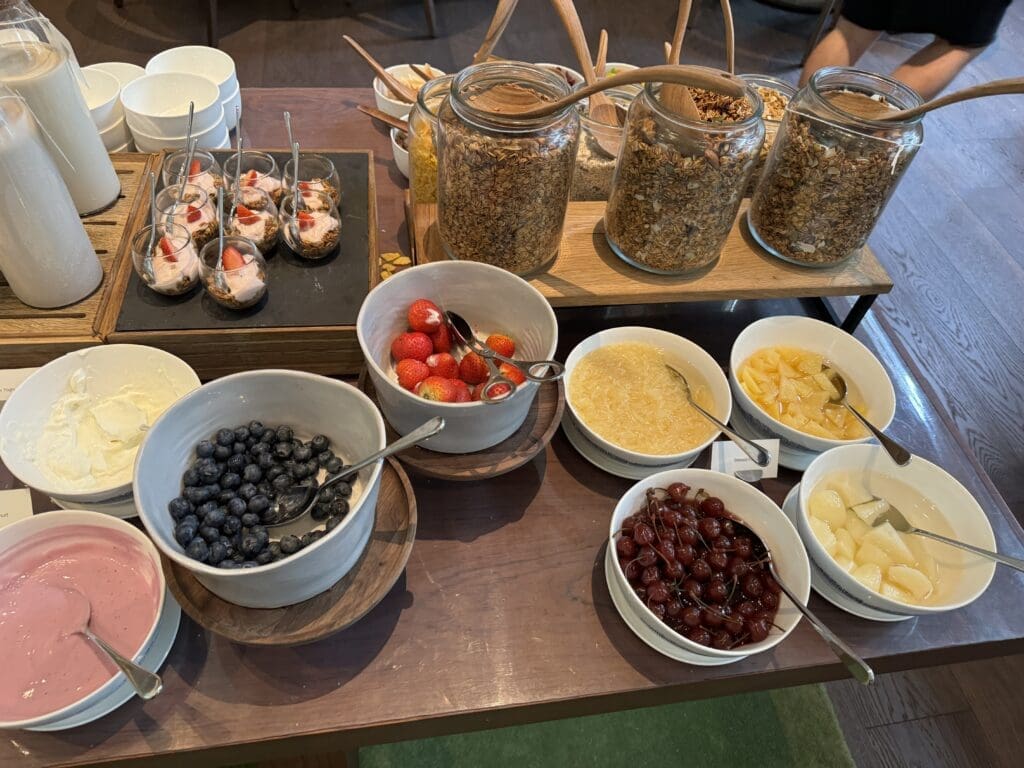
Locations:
(71, 430)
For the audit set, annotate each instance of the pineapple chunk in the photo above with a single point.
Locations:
(828, 505)
(845, 563)
(748, 382)
(815, 429)
(810, 363)
(845, 545)
(857, 527)
(889, 539)
(853, 493)
(872, 554)
(890, 590)
(868, 574)
(923, 560)
(911, 579)
(826, 385)
(870, 510)
(787, 371)
(787, 391)
(823, 533)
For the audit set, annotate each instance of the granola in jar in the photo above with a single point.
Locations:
(775, 95)
(834, 166)
(679, 183)
(504, 182)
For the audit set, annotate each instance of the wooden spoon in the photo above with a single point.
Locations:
(426, 75)
(400, 90)
(602, 54)
(601, 108)
(520, 103)
(675, 98)
(384, 117)
(499, 21)
(730, 37)
(994, 88)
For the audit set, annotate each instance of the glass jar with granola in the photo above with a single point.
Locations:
(422, 144)
(598, 150)
(504, 180)
(834, 166)
(679, 182)
(775, 95)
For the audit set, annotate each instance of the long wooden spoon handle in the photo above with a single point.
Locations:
(730, 37)
(602, 54)
(571, 20)
(995, 88)
(499, 21)
(682, 19)
(384, 117)
(397, 87)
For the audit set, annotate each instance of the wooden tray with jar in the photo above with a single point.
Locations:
(587, 272)
(30, 337)
(307, 319)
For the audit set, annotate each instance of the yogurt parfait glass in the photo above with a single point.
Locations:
(315, 231)
(171, 267)
(238, 278)
(316, 174)
(205, 171)
(253, 215)
(258, 169)
(194, 211)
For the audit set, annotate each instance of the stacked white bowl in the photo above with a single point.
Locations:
(156, 108)
(102, 91)
(211, 63)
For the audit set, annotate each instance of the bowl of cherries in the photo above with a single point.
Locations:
(692, 548)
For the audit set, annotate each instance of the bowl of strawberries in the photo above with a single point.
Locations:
(419, 368)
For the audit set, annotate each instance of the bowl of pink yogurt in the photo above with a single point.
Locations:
(48, 562)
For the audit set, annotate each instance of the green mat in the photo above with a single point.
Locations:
(787, 727)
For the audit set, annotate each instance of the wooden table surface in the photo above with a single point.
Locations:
(503, 615)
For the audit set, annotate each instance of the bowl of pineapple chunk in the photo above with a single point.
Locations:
(845, 495)
(779, 374)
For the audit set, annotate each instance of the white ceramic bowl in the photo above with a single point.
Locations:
(122, 70)
(400, 153)
(229, 104)
(158, 104)
(385, 101)
(561, 69)
(919, 479)
(492, 301)
(694, 362)
(311, 405)
(126, 147)
(111, 367)
(211, 63)
(211, 138)
(757, 512)
(21, 530)
(116, 135)
(101, 97)
(861, 369)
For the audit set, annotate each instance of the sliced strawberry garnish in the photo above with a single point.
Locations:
(306, 220)
(304, 185)
(193, 215)
(245, 215)
(167, 248)
(232, 258)
(250, 178)
(194, 169)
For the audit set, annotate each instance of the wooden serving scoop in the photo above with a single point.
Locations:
(499, 21)
(676, 98)
(994, 88)
(602, 54)
(384, 117)
(730, 37)
(601, 108)
(399, 89)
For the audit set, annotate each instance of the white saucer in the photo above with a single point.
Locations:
(601, 459)
(792, 458)
(651, 639)
(123, 509)
(152, 658)
(827, 588)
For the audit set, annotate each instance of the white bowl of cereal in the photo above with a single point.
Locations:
(802, 418)
(623, 399)
(845, 490)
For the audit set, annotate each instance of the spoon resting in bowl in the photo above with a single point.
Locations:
(896, 452)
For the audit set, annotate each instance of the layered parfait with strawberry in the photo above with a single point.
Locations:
(313, 232)
(203, 171)
(166, 261)
(236, 278)
(258, 171)
(255, 217)
(427, 360)
(190, 206)
(316, 174)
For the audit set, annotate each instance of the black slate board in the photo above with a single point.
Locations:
(299, 292)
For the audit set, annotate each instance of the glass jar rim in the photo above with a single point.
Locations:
(429, 91)
(906, 96)
(311, 156)
(233, 158)
(618, 95)
(505, 71)
(194, 187)
(167, 227)
(706, 125)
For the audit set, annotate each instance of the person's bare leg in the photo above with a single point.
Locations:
(933, 67)
(839, 48)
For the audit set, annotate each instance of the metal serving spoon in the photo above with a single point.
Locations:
(300, 499)
(896, 519)
(757, 454)
(896, 452)
(540, 371)
(146, 683)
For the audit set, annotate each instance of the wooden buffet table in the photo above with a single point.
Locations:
(503, 615)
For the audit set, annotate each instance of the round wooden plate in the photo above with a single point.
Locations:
(530, 439)
(383, 561)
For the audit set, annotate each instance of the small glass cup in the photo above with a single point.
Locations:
(598, 150)
(172, 266)
(315, 232)
(316, 174)
(240, 287)
(195, 212)
(253, 215)
(208, 176)
(258, 170)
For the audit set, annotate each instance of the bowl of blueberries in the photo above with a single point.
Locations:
(210, 468)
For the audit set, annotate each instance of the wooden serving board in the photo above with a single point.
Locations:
(587, 273)
(32, 337)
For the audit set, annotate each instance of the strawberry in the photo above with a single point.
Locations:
(462, 393)
(424, 316)
(416, 346)
(167, 248)
(304, 185)
(436, 388)
(498, 391)
(194, 169)
(232, 258)
(411, 372)
(501, 344)
(511, 373)
(250, 178)
(444, 365)
(473, 369)
(441, 339)
(193, 214)
(306, 220)
(245, 216)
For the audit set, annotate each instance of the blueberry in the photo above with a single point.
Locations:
(320, 511)
(246, 491)
(210, 473)
(198, 549)
(319, 444)
(282, 483)
(225, 496)
(289, 465)
(290, 545)
(249, 444)
(228, 565)
(225, 437)
(249, 564)
(333, 522)
(222, 452)
(261, 533)
(236, 506)
(285, 434)
(196, 495)
(205, 449)
(251, 545)
(256, 428)
(232, 525)
(230, 481)
(203, 510)
(216, 518)
(179, 507)
(312, 468)
(190, 520)
(282, 450)
(250, 518)
(268, 437)
(323, 457)
(274, 472)
(302, 453)
(217, 553)
(299, 471)
(266, 461)
(236, 463)
(185, 532)
(315, 535)
(327, 494)
(239, 558)
(333, 465)
(239, 449)
(241, 434)
(343, 490)
(191, 477)
(264, 557)
(259, 449)
(258, 504)
(339, 508)
(209, 533)
(252, 473)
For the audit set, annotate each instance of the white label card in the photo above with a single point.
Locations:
(728, 458)
(15, 505)
(10, 378)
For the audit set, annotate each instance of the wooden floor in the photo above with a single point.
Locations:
(951, 238)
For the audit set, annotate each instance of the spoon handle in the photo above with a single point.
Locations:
(859, 668)
(897, 452)
(427, 429)
(1013, 562)
(757, 454)
(499, 21)
(146, 683)
(994, 88)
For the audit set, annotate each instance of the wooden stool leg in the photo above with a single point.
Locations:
(211, 23)
(431, 14)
